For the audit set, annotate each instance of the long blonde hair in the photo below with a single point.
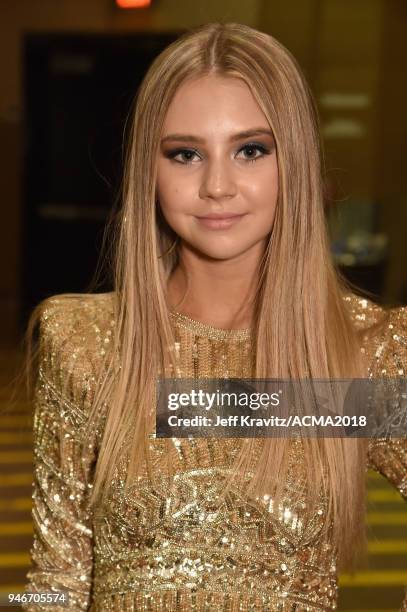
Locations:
(301, 327)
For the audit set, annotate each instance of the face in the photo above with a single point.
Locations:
(217, 180)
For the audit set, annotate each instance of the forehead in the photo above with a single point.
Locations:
(213, 101)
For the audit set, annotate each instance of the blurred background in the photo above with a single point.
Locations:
(69, 73)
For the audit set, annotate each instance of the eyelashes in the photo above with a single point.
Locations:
(174, 153)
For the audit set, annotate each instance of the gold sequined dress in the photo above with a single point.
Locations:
(172, 547)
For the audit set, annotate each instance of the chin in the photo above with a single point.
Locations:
(219, 252)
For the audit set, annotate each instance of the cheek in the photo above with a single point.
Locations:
(263, 190)
(166, 192)
(172, 191)
(163, 184)
(170, 197)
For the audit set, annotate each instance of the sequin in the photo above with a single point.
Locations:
(177, 546)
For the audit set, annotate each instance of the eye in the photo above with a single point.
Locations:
(252, 148)
(187, 155)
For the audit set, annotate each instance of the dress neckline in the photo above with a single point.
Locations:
(206, 330)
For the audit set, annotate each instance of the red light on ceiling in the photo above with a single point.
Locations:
(132, 4)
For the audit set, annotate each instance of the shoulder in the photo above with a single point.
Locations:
(384, 334)
(390, 345)
(363, 312)
(76, 331)
(76, 313)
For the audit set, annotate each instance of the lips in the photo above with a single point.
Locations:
(219, 221)
(220, 216)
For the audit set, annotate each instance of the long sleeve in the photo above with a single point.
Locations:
(388, 456)
(62, 551)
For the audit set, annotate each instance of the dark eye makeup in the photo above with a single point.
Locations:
(183, 151)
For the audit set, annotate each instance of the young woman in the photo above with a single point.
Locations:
(223, 270)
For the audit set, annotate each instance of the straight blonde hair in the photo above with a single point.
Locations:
(301, 327)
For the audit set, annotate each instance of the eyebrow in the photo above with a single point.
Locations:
(234, 137)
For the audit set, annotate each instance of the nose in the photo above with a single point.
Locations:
(218, 181)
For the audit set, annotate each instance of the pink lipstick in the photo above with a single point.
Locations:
(220, 221)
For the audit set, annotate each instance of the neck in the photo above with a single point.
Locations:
(216, 292)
